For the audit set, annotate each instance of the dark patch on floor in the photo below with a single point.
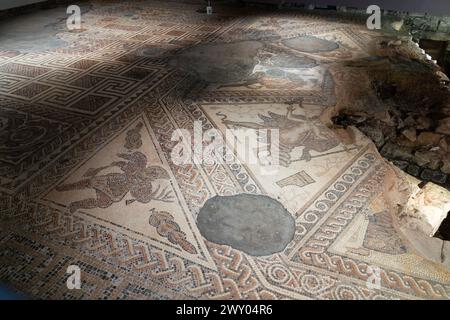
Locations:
(36, 31)
(255, 224)
(444, 230)
(219, 62)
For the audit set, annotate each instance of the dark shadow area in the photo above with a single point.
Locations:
(444, 230)
(36, 30)
(438, 51)
(8, 293)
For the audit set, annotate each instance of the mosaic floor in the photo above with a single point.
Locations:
(86, 176)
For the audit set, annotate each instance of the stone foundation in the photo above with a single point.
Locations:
(401, 102)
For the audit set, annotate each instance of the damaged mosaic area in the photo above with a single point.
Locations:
(86, 176)
(254, 224)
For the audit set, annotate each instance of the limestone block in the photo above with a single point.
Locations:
(444, 25)
(446, 164)
(435, 176)
(444, 144)
(428, 159)
(442, 76)
(427, 208)
(423, 123)
(397, 25)
(428, 139)
(410, 134)
(430, 248)
(444, 126)
(393, 151)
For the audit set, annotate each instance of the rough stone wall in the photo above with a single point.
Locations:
(437, 7)
(405, 113)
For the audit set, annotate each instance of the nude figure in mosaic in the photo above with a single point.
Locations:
(295, 130)
(136, 178)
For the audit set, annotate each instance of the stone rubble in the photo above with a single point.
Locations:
(418, 212)
(406, 113)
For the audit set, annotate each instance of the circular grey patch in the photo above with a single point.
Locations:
(310, 44)
(255, 224)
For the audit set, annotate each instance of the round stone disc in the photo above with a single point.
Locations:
(310, 44)
(255, 224)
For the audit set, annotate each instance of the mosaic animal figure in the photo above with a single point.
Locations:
(294, 131)
(136, 178)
